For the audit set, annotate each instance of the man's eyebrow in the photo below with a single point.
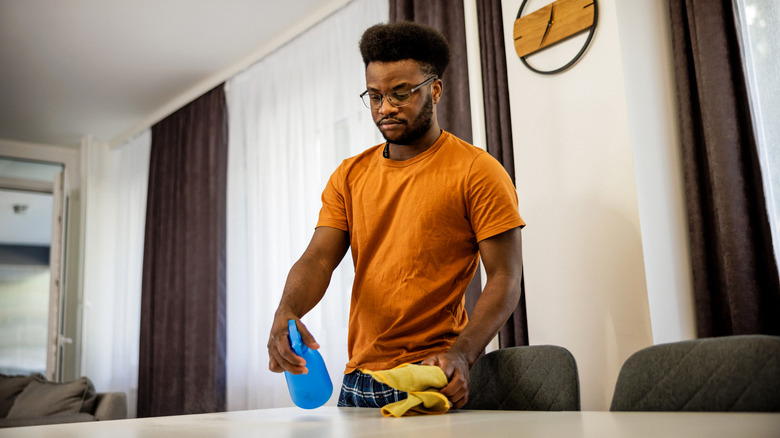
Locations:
(400, 86)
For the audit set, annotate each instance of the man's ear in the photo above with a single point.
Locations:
(436, 90)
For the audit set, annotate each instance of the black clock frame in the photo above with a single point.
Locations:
(577, 56)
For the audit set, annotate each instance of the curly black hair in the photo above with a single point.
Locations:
(406, 40)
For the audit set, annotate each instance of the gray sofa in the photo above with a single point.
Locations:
(33, 400)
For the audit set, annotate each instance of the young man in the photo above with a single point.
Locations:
(418, 211)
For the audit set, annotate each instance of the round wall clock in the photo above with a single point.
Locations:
(559, 20)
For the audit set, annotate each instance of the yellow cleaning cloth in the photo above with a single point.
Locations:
(421, 382)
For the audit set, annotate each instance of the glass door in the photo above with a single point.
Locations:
(32, 206)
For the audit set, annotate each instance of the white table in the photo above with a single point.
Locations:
(355, 422)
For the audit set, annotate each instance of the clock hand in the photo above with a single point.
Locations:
(549, 24)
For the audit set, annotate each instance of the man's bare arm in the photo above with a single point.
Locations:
(306, 284)
(502, 257)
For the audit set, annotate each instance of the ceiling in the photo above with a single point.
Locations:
(110, 69)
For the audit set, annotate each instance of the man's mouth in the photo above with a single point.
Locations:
(389, 122)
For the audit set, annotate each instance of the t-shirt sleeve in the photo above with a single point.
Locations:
(334, 212)
(492, 202)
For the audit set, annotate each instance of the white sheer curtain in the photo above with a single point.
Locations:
(293, 117)
(115, 199)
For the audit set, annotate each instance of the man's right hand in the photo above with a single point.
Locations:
(281, 356)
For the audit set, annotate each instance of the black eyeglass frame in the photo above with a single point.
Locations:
(391, 97)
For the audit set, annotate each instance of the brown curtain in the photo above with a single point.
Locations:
(735, 277)
(454, 110)
(498, 126)
(495, 87)
(183, 333)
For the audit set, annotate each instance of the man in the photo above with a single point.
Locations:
(418, 211)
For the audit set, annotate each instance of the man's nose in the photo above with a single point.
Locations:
(387, 108)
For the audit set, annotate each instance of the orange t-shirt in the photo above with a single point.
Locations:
(413, 227)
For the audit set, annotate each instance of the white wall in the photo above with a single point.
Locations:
(599, 186)
(646, 46)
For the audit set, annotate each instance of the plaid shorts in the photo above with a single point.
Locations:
(360, 390)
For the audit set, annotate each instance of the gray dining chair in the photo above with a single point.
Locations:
(733, 373)
(533, 378)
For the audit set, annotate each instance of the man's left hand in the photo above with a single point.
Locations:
(456, 368)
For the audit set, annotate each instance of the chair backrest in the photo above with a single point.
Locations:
(533, 378)
(733, 373)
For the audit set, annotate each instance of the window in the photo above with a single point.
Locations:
(757, 22)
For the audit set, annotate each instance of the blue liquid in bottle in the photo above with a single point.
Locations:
(311, 390)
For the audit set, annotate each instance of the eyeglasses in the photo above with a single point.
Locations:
(396, 99)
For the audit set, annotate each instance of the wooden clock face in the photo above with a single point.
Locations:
(542, 28)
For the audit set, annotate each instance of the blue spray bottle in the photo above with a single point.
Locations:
(311, 390)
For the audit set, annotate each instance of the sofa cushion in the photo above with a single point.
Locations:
(41, 421)
(42, 398)
(10, 388)
(90, 398)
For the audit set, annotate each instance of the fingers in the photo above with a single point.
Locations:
(456, 370)
(431, 361)
(306, 336)
(457, 391)
(280, 356)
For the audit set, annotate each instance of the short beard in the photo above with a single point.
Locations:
(418, 127)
